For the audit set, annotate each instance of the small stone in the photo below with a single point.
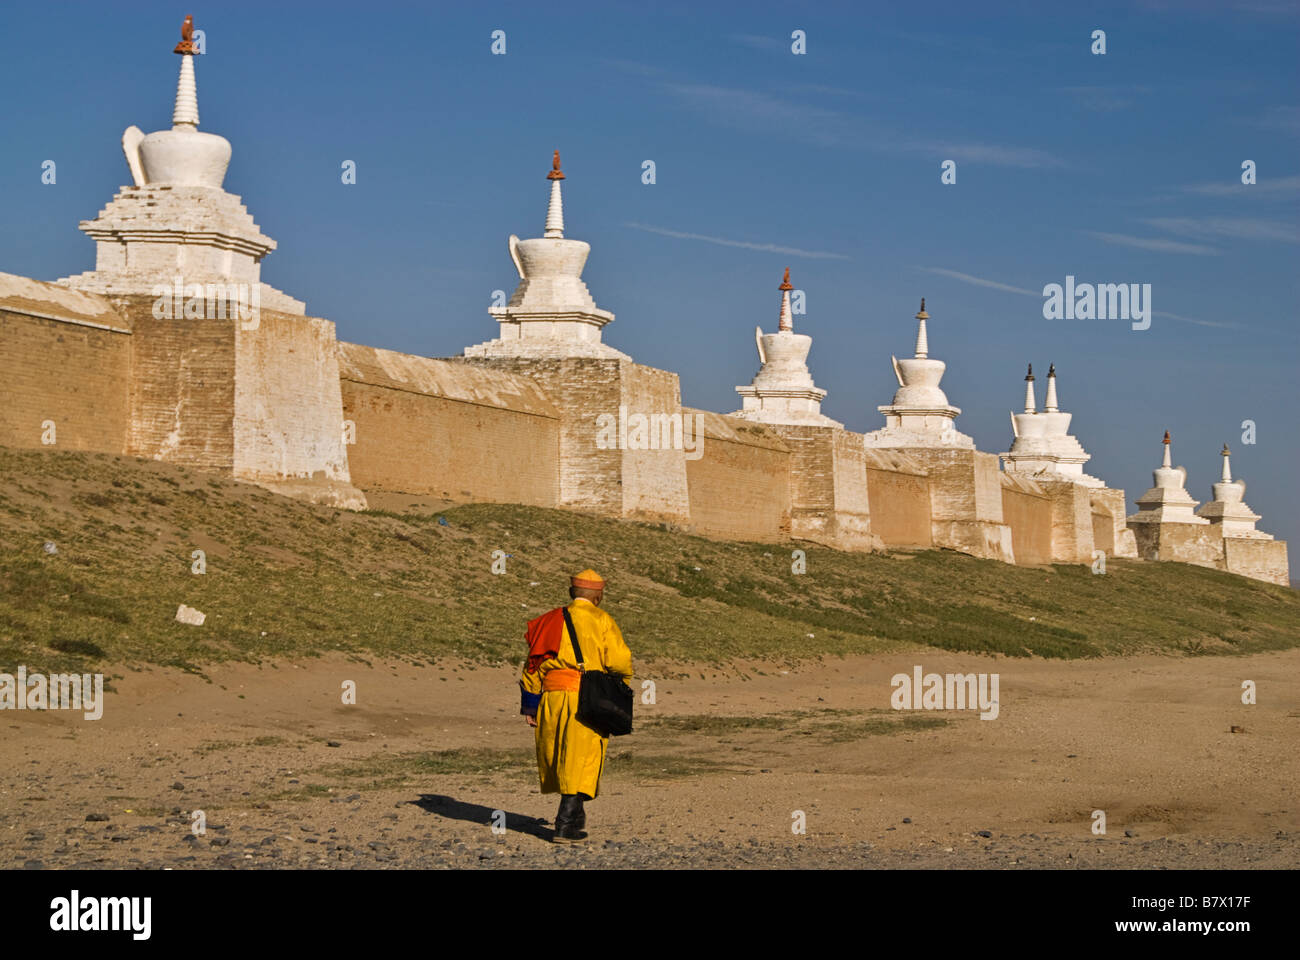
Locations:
(220, 841)
(1237, 729)
(178, 785)
(333, 743)
(907, 819)
(983, 833)
(191, 616)
(96, 817)
(1129, 833)
(50, 548)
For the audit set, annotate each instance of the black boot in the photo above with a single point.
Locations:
(581, 822)
(570, 820)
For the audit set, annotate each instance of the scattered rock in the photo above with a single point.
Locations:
(1237, 729)
(907, 819)
(178, 785)
(333, 743)
(983, 833)
(220, 841)
(96, 817)
(50, 548)
(189, 615)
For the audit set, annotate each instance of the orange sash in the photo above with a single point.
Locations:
(560, 678)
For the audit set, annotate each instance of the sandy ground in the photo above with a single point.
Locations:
(1147, 740)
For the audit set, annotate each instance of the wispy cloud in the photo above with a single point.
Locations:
(1105, 98)
(1199, 323)
(1236, 228)
(756, 112)
(1153, 243)
(980, 281)
(1235, 188)
(1286, 119)
(755, 41)
(743, 244)
(996, 285)
(832, 91)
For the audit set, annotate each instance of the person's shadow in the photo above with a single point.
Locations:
(454, 809)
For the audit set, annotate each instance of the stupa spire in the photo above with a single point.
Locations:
(1227, 469)
(555, 210)
(1167, 462)
(185, 116)
(922, 343)
(786, 321)
(1029, 390)
(1049, 405)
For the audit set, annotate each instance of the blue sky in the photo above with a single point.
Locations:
(1117, 168)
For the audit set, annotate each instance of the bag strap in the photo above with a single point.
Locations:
(573, 635)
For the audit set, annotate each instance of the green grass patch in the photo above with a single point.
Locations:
(289, 580)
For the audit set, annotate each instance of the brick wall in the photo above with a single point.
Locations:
(640, 484)
(1261, 559)
(1072, 539)
(1201, 544)
(452, 430)
(182, 388)
(1028, 512)
(654, 481)
(740, 487)
(288, 416)
(900, 499)
(75, 375)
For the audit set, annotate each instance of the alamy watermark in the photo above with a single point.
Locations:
(653, 431)
(58, 691)
(208, 301)
(1102, 301)
(950, 691)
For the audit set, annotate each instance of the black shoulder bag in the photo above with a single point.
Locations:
(604, 700)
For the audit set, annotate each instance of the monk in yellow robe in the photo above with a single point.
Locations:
(570, 755)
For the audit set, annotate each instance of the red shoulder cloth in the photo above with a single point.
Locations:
(544, 636)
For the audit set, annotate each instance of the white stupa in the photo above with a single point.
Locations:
(552, 313)
(1043, 447)
(1228, 509)
(920, 415)
(783, 390)
(1168, 501)
(177, 223)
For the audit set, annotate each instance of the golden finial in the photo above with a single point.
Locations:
(785, 284)
(923, 315)
(1030, 374)
(186, 46)
(556, 173)
(1226, 451)
(1166, 436)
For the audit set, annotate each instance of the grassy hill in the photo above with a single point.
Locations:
(287, 579)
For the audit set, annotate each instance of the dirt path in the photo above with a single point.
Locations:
(712, 777)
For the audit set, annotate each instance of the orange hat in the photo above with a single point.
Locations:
(588, 578)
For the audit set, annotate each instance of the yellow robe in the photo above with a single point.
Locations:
(570, 755)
